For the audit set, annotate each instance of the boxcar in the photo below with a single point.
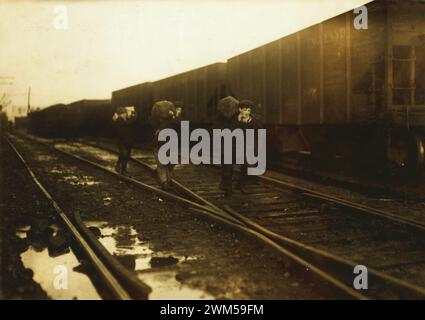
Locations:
(198, 90)
(79, 118)
(335, 90)
(21, 123)
(88, 117)
(3, 120)
(48, 121)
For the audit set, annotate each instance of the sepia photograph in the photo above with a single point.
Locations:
(213, 156)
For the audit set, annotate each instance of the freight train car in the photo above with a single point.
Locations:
(198, 90)
(335, 90)
(21, 123)
(79, 118)
(88, 117)
(3, 120)
(49, 121)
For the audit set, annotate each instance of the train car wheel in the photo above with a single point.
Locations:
(406, 152)
(398, 151)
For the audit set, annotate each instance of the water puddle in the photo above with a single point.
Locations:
(80, 180)
(165, 287)
(56, 274)
(156, 269)
(44, 157)
(61, 169)
(67, 175)
(123, 241)
(103, 155)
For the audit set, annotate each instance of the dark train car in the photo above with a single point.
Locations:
(3, 120)
(335, 90)
(88, 118)
(48, 121)
(79, 118)
(21, 123)
(198, 90)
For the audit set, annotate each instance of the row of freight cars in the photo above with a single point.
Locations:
(79, 118)
(198, 90)
(330, 89)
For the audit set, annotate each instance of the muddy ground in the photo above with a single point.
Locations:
(21, 204)
(205, 258)
(410, 207)
(405, 208)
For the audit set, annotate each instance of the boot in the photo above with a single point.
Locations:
(118, 167)
(124, 167)
(166, 186)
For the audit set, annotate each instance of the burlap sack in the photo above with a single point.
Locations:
(228, 106)
(124, 114)
(163, 110)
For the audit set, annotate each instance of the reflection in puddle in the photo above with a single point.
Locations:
(67, 175)
(165, 287)
(123, 242)
(46, 269)
(106, 156)
(61, 169)
(80, 180)
(44, 157)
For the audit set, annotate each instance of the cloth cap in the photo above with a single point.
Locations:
(228, 106)
(246, 104)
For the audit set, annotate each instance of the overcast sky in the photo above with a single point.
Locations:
(113, 44)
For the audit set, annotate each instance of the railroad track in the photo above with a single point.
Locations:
(316, 234)
(120, 283)
(300, 166)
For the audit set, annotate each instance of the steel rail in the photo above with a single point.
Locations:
(346, 266)
(165, 194)
(179, 186)
(108, 278)
(343, 265)
(347, 204)
(223, 216)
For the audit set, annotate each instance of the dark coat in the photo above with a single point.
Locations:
(222, 122)
(162, 119)
(126, 130)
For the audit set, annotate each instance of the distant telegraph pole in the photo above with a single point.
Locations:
(29, 99)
